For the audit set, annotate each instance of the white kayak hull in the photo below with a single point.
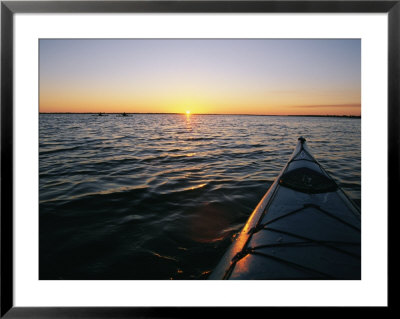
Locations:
(304, 227)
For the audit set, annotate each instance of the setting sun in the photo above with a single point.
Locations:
(188, 112)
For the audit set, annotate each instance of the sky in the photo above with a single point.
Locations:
(214, 76)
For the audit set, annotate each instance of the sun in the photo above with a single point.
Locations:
(188, 112)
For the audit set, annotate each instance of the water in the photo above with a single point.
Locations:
(153, 196)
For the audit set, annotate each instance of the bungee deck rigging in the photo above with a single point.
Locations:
(305, 227)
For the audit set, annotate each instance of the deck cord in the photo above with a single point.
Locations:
(260, 226)
(328, 244)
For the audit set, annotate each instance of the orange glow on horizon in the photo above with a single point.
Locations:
(87, 106)
(69, 100)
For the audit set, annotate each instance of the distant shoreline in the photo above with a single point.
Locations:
(117, 113)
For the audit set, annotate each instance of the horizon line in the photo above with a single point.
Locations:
(172, 113)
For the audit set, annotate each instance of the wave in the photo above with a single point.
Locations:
(157, 197)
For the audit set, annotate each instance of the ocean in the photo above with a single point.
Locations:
(161, 196)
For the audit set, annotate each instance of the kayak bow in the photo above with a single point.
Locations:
(304, 227)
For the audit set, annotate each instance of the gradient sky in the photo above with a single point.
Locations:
(237, 76)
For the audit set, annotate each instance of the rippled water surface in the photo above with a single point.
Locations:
(155, 196)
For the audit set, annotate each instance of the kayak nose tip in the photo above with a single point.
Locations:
(302, 139)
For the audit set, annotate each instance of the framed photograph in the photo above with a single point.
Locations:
(165, 157)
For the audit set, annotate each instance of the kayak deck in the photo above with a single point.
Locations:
(304, 228)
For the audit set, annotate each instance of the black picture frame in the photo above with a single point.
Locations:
(9, 8)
